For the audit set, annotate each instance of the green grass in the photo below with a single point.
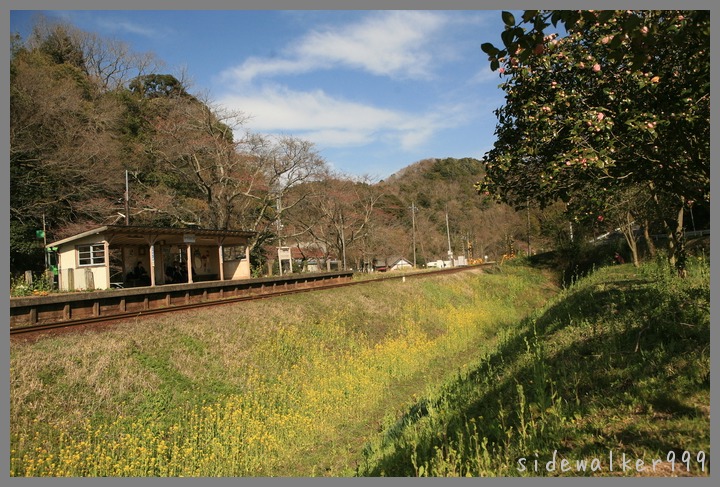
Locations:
(292, 386)
(620, 361)
(460, 374)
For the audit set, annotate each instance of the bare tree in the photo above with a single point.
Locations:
(338, 214)
(110, 63)
(63, 149)
(201, 172)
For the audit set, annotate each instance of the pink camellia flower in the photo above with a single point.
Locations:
(651, 125)
(644, 30)
(600, 116)
(596, 68)
(600, 218)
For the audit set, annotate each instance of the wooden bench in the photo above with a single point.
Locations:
(205, 277)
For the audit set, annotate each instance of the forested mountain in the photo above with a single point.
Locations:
(87, 114)
(443, 194)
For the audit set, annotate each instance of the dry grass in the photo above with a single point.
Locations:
(289, 386)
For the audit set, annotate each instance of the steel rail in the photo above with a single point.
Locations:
(95, 320)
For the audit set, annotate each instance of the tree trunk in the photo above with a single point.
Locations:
(675, 237)
(679, 242)
(652, 251)
(627, 230)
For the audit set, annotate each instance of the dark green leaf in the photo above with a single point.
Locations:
(556, 17)
(570, 18)
(528, 15)
(489, 48)
(507, 37)
(631, 24)
(508, 18)
(588, 16)
(605, 15)
(616, 41)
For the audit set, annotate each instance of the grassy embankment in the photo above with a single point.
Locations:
(619, 364)
(449, 371)
(290, 386)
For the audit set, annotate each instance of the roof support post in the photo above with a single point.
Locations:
(106, 249)
(152, 264)
(151, 239)
(189, 263)
(221, 260)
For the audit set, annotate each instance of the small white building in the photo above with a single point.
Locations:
(391, 264)
(400, 263)
(129, 256)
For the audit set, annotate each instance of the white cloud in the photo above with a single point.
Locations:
(314, 115)
(394, 43)
(389, 44)
(334, 122)
(129, 27)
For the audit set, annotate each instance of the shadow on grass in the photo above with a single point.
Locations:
(612, 365)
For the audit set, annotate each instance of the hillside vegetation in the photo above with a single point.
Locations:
(618, 364)
(290, 386)
(464, 374)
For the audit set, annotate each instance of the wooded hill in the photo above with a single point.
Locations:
(86, 113)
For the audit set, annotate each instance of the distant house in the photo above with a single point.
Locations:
(391, 264)
(306, 257)
(122, 256)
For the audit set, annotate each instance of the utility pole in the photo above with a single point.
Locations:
(447, 224)
(127, 199)
(45, 253)
(413, 208)
(44, 232)
(278, 223)
(342, 238)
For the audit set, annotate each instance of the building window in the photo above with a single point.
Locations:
(91, 254)
(233, 252)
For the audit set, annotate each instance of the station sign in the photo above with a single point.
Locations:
(284, 253)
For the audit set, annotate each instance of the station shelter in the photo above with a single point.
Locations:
(130, 256)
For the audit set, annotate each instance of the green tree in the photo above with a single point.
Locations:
(62, 151)
(71, 133)
(622, 100)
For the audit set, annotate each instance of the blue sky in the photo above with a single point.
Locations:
(374, 90)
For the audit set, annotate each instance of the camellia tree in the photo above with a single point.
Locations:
(621, 100)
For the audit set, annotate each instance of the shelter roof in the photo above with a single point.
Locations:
(138, 235)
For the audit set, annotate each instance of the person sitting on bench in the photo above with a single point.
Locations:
(139, 276)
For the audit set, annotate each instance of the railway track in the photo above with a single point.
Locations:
(63, 325)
